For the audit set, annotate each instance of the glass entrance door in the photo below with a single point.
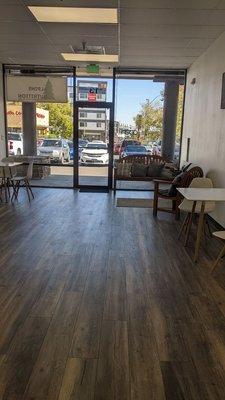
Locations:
(94, 141)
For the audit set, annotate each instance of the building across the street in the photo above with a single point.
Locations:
(14, 118)
(92, 121)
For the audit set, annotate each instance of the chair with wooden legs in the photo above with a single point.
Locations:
(182, 180)
(6, 175)
(220, 235)
(23, 181)
(194, 209)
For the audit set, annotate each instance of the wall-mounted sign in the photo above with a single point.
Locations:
(37, 89)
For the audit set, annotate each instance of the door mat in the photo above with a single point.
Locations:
(139, 203)
(93, 190)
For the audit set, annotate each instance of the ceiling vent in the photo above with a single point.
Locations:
(88, 49)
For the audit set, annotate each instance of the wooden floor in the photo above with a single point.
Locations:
(104, 303)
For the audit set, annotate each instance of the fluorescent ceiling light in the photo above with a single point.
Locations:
(75, 14)
(90, 57)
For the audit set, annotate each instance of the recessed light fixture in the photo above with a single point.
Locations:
(113, 58)
(75, 14)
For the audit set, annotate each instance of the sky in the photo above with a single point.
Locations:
(130, 94)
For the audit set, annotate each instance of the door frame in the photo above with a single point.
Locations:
(96, 104)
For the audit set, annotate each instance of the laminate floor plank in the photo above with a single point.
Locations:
(79, 380)
(116, 299)
(113, 380)
(17, 366)
(47, 375)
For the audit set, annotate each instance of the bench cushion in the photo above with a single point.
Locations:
(155, 169)
(139, 170)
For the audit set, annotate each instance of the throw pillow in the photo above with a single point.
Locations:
(119, 169)
(123, 169)
(167, 174)
(139, 170)
(127, 170)
(154, 170)
(176, 182)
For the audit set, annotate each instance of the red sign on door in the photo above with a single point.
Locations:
(91, 95)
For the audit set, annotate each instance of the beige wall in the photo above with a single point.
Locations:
(2, 121)
(204, 121)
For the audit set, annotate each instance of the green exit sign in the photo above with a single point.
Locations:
(92, 69)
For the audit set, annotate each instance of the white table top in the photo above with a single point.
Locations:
(10, 164)
(203, 194)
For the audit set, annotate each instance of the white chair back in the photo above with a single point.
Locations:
(186, 205)
(201, 183)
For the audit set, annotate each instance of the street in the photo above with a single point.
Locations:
(83, 170)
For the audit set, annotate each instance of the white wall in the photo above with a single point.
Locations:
(2, 118)
(204, 120)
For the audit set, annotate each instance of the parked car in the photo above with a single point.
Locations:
(117, 148)
(82, 143)
(39, 142)
(129, 142)
(15, 143)
(149, 147)
(132, 150)
(95, 153)
(157, 147)
(56, 149)
(71, 147)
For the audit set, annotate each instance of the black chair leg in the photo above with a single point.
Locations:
(16, 191)
(27, 189)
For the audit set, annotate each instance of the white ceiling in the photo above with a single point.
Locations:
(151, 33)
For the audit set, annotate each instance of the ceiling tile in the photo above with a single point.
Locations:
(166, 52)
(17, 28)
(72, 3)
(157, 42)
(90, 40)
(147, 3)
(167, 17)
(200, 43)
(14, 13)
(79, 29)
(23, 39)
(185, 31)
(196, 4)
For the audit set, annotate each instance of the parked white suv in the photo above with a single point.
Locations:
(56, 149)
(15, 143)
(95, 153)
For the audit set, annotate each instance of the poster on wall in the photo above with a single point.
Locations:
(39, 89)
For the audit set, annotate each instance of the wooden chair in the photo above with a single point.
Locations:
(191, 210)
(23, 181)
(220, 235)
(183, 180)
